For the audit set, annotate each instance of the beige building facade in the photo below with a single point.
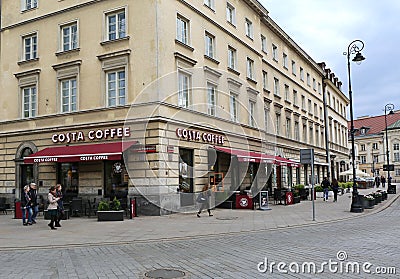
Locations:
(154, 99)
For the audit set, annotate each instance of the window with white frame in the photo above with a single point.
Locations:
(116, 25)
(375, 158)
(30, 47)
(308, 79)
(29, 101)
(233, 107)
(274, 52)
(249, 28)
(278, 123)
(294, 97)
(375, 145)
(303, 102)
(116, 88)
(230, 14)
(276, 87)
(68, 94)
(396, 146)
(397, 172)
(287, 94)
(266, 118)
(263, 43)
(69, 36)
(288, 128)
(314, 84)
(183, 89)
(315, 110)
(250, 68)
(294, 71)
(231, 58)
(309, 106)
(285, 60)
(319, 88)
(182, 29)
(252, 108)
(396, 156)
(304, 132)
(363, 159)
(296, 131)
(316, 135)
(211, 99)
(265, 80)
(321, 113)
(301, 74)
(29, 4)
(210, 45)
(311, 135)
(210, 4)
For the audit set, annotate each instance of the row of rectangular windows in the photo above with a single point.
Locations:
(69, 35)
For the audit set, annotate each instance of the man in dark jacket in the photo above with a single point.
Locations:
(325, 186)
(35, 205)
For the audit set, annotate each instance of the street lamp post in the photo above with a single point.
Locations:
(354, 47)
(388, 107)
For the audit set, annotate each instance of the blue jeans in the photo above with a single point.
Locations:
(29, 209)
(35, 212)
(326, 190)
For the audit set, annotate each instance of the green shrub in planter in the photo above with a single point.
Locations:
(103, 206)
(318, 188)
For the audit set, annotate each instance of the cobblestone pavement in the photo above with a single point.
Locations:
(372, 238)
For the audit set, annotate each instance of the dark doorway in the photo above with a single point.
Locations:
(186, 176)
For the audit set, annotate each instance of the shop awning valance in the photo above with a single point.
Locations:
(80, 153)
(252, 156)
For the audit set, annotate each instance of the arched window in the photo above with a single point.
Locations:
(26, 152)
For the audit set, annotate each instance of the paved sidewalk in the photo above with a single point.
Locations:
(83, 230)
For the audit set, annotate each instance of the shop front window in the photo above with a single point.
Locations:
(116, 180)
(69, 178)
(186, 176)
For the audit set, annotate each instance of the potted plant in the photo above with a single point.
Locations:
(110, 211)
(303, 192)
(368, 201)
(319, 191)
(296, 196)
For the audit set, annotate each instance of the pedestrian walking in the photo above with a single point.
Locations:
(335, 188)
(26, 206)
(377, 181)
(204, 200)
(60, 204)
(35, 205)
(52, 207)
(383, 180)
(325, 186)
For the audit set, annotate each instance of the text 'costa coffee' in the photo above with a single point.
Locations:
(92, 135)
(193, 135)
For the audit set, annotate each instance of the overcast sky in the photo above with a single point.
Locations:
(324, 29)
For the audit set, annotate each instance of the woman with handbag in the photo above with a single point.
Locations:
(53, 205)
(204, 200)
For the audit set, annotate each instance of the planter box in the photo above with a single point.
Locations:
(368, 204)
(319, 194)
(110, 215)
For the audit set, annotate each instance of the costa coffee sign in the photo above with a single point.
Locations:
(99, 134)
(193, 135)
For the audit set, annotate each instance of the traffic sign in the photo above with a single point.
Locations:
(306, 156)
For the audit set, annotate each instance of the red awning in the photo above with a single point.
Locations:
(80, 153)
(247, 156)
(251, 156)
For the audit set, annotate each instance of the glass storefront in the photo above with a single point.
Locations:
(116, 179)
(68, 176)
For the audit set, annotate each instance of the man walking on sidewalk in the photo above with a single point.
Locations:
(325, 186)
